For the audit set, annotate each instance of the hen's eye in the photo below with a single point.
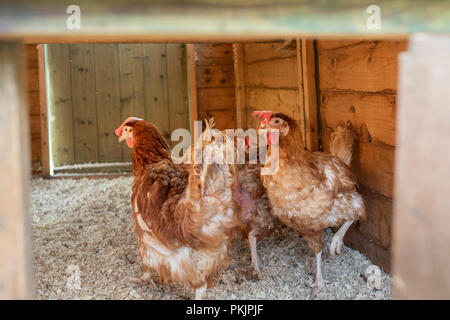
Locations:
(277, 121)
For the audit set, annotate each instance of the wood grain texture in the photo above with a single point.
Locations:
(108, 102)
(214, 54)
(239, 80)
(224, 118)
(278, 73)
(177, 86)
(373, 163)
(368, 67)
(84, 101)
(216, 98)
(16, 280)
(43, 110)
(255, 52)
(307, 85)
(60, 104)
(377, 113)
(132, 96)
(192, 84)
(214, 76)
(421, 220)
(156, 90)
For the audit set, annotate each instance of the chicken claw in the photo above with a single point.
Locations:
(336, 245)
(200, 292)
(317, 287)
(338, 239)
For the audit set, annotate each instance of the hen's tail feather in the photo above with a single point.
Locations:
(342, 141)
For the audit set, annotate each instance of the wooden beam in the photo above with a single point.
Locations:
(45, 150)
(15, 250)
(421, 233)
(239, 84)
(308, 68)
(192, 84)
(214, 20)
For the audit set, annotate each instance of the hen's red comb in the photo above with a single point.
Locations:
(118, 131)
(264, 116)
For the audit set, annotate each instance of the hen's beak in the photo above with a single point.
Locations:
(121, 138)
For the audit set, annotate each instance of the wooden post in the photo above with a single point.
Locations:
(239, 84)
(192, 83)
(45, 151)
(421, 232)
(308, 69)
(15, 254)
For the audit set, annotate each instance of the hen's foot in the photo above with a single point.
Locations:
(338, 238)
(200, 293)
(318, 286)
(336, 245)
(250, 273)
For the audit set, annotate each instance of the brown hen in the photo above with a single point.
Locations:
(184, 215)
(310, 191)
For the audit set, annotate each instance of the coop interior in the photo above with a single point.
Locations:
(81, 213)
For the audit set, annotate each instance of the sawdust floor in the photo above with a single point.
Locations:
(86, 225)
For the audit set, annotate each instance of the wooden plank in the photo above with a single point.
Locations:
(422, 188)
(367, 67)
(108, 101)
(308, 81)
(132, 96)
(214, 54)
(225, 119)
(374, 166)
(174, 20)
(216, 98)
(45, 150)
(155, 82)
(255, 52)
(278, 100)
(239, 80)
(330, 44)
(373, 236)
(16, 280)
(376, 112)
(215, 76)
(192, 84)
(177, 86)
(33, 101)
(60, 104)
(84, 103)
(279, 73)
(35, 148)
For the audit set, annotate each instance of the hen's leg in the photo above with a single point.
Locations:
(320, 283)
(200, 292)
(256, 262)
(338, 238)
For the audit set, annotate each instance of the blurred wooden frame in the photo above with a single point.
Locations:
(203, 21)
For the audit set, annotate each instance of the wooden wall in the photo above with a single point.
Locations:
(215, 83)
(32, 74)
(358, 82)
(95, 87)
(272, 78)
